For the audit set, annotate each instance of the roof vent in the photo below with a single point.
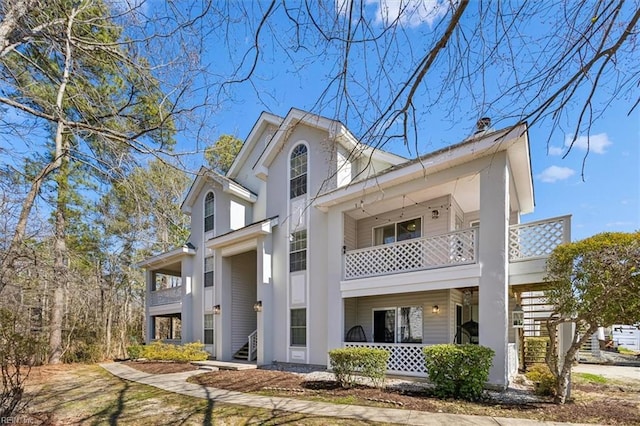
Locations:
(483, 124)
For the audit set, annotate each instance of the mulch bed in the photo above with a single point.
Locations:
(611, 408)
(156, 367)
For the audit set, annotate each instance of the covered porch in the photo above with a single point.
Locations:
(404, 323)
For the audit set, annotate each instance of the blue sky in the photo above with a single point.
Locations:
(600, 189)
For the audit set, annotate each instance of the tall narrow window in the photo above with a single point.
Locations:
(208, 329)
(208, 271)
(298, 179)
(298, 251)
(298, 327)
(208, 212)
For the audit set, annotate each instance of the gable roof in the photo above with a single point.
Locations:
(228, 185)
(285, 125)
(514, 140)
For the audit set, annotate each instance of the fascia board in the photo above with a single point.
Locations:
(166, 258)
(263, 121)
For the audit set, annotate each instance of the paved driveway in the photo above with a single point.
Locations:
(610, 371)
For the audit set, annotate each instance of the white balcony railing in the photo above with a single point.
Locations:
(455, 248)
(538, 239)
(404, 358)
(253, 345)
(165, 296)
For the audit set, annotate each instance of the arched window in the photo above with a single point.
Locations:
(298, 179)
(208, 212)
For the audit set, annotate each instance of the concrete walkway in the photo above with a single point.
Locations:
(177, 383)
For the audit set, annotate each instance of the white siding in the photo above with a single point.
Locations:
(243, 296)
(350, 313)
(429, 226)
(454, 299)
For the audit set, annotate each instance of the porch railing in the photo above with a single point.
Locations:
(454, 248)
(538, 239)
(253, 346)
(165, 296)
(404, 358)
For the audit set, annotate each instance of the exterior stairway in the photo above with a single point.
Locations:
(242, 353)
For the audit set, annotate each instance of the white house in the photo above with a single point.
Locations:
(314, 241)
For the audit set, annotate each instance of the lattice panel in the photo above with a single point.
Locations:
(412, 255)
(165, 296)
(535, 240)
(403, 358)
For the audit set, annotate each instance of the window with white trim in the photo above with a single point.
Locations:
(298, 172)
(298, 251)
(298, 327)
(208, 271)
(398, 325)
(208, 329)
(398, 231)
(209, 208)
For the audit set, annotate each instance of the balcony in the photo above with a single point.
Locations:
(165, 296)
(531, 241)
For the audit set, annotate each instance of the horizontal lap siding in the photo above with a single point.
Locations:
(435, 326)
(350, 234)
(364, 230)
(243, 296)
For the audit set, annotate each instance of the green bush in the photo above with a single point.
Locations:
(83, 352)
(158, 351)
(368, 362)
(135, 351)
(458, 371)
(544, 381)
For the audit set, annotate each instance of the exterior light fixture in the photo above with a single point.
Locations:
(258, 306)
(435, 214)
(216, 310)
(517, 317)
(435, 309)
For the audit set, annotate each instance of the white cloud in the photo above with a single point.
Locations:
(594, 143)
(554, 173)
(555, 150)
(411, 13)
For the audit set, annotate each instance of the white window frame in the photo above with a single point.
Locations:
(397, 324)
(395, 230)
(306, 170)
(205, 271)
(212, 215)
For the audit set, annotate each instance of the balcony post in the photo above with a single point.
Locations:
(265, 294)
(335, 305)
(150, 331)
(190, 314)
(493, 256)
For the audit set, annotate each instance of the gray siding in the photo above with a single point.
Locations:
(350, 232)
(435, 326)
(430, 226)
(350, 313)
(243, 296)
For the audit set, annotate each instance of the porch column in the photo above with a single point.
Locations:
(335, 309)
(265, 294)
(150, 324)
(187, 313)
(493, 254)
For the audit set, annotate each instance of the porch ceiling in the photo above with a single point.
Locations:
(465, 190)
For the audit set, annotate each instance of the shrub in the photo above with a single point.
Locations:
(458, 371)
(369, 362)
(17, 349)
(158, 351)
(544, 381)
(135, 351)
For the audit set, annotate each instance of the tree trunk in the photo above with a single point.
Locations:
(564, 378)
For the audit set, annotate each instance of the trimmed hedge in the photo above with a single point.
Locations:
(368, 362)
(458, 371)
(158, 351)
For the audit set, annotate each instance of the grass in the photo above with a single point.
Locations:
(86, 394)
(590, 378)
(626, 351)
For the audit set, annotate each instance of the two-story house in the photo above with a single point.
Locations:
(313, 241)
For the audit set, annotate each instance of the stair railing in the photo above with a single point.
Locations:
(253, 346)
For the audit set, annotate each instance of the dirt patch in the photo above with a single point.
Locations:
(155, 367)
(615, 405)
